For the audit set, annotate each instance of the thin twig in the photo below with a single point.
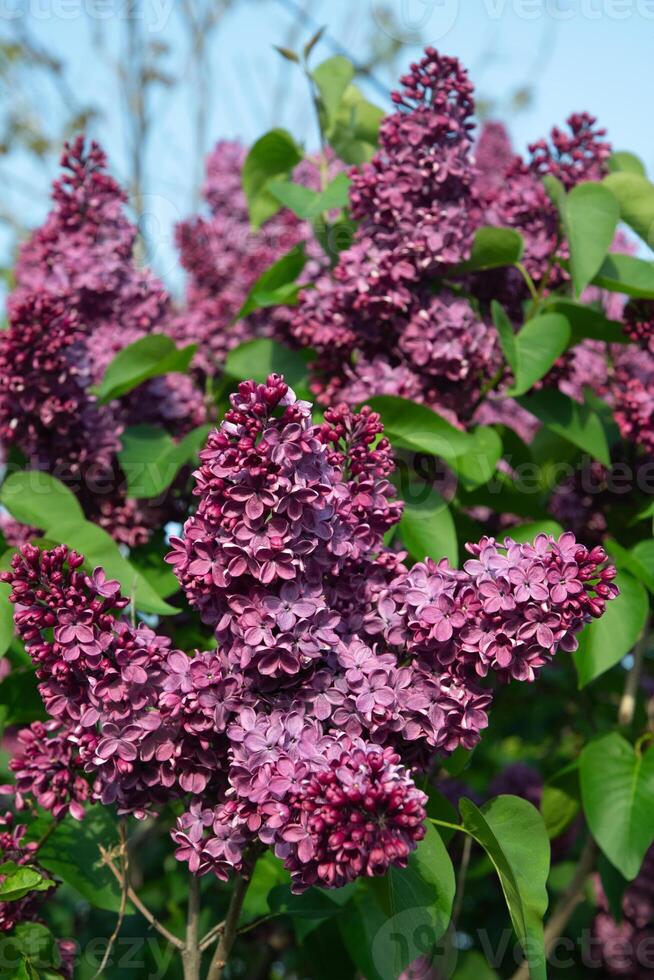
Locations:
(228, 934)
(461, 880)
(124, 858)
(566, 905)
(211, 936)
(627, 707)
(138, 904)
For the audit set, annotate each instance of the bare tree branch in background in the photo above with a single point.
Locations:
(201, 18)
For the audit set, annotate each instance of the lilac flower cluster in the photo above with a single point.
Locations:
(338, 670)
(223, 257)
(375, 323)
(80, 298)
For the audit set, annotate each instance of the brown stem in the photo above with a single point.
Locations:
(627, 707)
(191, 955)
(566, 905)
(143, 909)
(228, 934)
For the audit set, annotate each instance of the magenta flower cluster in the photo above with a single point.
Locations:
(375, 323)
(80, 298)
(338, 671)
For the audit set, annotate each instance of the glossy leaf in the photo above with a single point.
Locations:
(427, 527)
(513, 834)
(617, 789)
(275, 154)
(590, 218)
(587, 323)
(506, 334)
(412, 426)
(626, 274)
(527, 532)
(39, 499)
(536, 347)
(258, 358)
(149, 357)
(354, 133)
(19, 880)
(573, 422)
(151, 459)
(477, 464)
(492, 248)
(624, 162)
(271, 288)
(414, 909)
(560, 802)
(635, 195)
(606, 641)
(333, 77)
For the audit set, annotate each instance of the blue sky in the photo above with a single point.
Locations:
(575, 54)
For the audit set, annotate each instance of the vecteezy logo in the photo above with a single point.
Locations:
(414, 942)
(415, 21)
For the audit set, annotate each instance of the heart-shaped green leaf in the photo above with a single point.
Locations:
(606, 641)
(617, 790)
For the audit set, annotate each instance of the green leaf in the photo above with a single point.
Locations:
(149, 357)
(538, 345)
(19, 880)
(269, 872)
(560, 802)
(427, 527)
(587, 323)
(506, 334)
(332, 78)
(355, 130)
(270, 289)
(477, 464)
(575, 423)
(412, 426)
(617, 789)
(492, 248)
(626, 560)
(151, 459)
(72, 853)
(635, 196)
(39, 499)
(624, 162)
(275, 154)
(626, 274)
(527, 532)
(474, 966)
(296, 197)
(100, 550)
(416, 903)
(34, 945)
(606, 641)
(590, 218)
(20, 698)
(256, 359)
(148, 559)
(513, 834)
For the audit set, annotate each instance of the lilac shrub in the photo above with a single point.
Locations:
(338, 673)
